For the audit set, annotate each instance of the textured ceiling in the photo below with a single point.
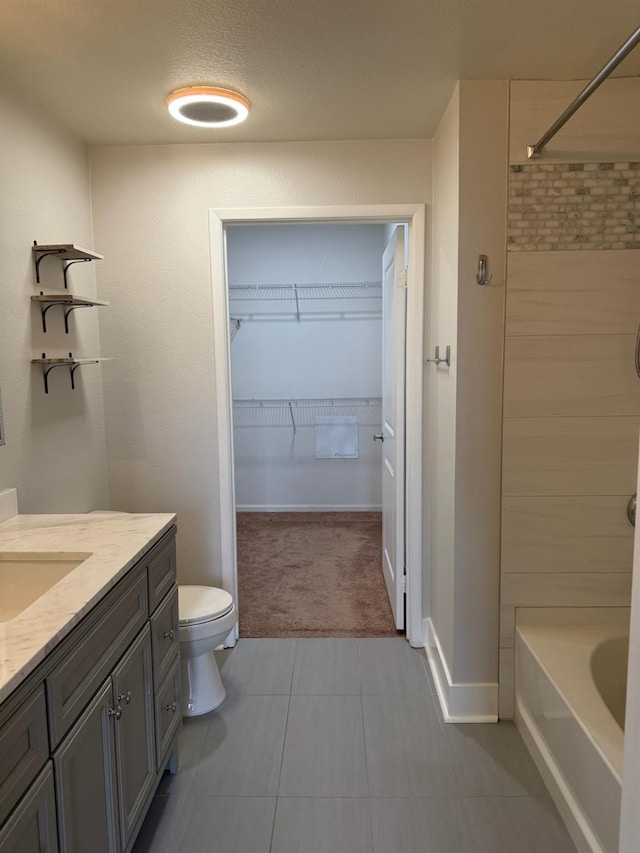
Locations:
(313, 69)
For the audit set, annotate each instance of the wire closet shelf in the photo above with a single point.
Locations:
(255, 300)
(304, 413)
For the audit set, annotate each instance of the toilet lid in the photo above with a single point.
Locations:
(202, 603)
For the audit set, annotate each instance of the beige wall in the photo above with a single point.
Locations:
(440, 381)
(463, 430)
(55, 450)
(571, 394)
(151, 208)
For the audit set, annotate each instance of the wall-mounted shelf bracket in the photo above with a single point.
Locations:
(234, 326)
(68, 254)
(437, 360)
(49, 364)
(69, 303)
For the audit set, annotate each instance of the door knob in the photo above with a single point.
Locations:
(378, 437)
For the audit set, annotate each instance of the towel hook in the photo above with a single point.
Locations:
(482, 273)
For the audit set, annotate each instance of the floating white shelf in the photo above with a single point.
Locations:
(303, 413)
(69, 303)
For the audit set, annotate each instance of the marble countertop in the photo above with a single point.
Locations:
(116, 541)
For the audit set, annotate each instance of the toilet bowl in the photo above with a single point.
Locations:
(206, 616)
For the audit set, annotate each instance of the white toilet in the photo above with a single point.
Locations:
(206, 616)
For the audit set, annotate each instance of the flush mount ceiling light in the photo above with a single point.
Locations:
(206, 106)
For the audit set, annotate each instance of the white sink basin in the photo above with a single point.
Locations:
(25, 577)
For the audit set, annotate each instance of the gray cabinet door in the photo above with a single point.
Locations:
(135, 730)
(24, 748)
(32, 827)
(86, 780)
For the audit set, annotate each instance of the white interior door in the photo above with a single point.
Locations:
(393, 428)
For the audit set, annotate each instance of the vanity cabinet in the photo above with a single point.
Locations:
(106, 765)
(85, 740)
(32, 827)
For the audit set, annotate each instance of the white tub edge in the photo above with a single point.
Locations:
(561, 794)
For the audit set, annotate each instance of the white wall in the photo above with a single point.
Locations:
(464, 400)
(440, 396)
(55, 446)
(324, 355)
(151, 221)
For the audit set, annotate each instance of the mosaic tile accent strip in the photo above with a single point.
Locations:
(560, 206)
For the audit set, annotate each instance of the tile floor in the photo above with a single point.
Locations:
(338, 746)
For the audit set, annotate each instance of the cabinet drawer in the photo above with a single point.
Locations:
(162, 572)
(165, 636)
(168, 716)
(24, 748)
(32, 828)
(86, 661)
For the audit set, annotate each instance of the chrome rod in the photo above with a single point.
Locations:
(533, 151)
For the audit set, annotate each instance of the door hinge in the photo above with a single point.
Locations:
(404, 279)
(403, 584)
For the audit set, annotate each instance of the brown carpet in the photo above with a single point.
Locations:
(312, 574)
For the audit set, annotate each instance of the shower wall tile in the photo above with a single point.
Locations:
(570, 375)
(542, 589)
(569, 456)
(571, 393)
(572, 293)
(566, 590)
(573, 206)
(606, 127)
(566, 533)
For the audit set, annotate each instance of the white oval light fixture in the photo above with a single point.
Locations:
(206, 106)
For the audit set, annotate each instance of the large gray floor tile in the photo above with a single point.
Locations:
(324, 748)
(213, 824)
(259, 666)
(492, 761)
(391, 667)
(190, 752)
(326, 666)
(522, 824)
(413, 825)
(407, 755)
(322, 825)
(242, 752)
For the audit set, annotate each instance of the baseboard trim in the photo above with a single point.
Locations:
(305, 508)
(459, 702)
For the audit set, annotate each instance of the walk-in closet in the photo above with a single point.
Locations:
(305, 307)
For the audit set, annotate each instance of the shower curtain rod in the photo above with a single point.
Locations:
(533, 151)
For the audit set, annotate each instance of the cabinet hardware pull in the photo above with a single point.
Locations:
(125, 697)
(167, 635)
(171, 707)
(115, 712)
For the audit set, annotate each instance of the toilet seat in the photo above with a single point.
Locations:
(198, 604)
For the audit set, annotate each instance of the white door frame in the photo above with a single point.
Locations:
(415, 216)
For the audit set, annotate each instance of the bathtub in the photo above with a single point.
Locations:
(570, 700)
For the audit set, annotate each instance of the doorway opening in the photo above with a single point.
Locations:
(306, 307)
(299, 394)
